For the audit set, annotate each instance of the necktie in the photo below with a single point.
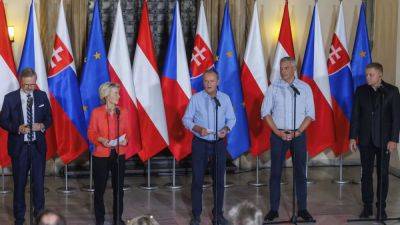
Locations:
(29, 115)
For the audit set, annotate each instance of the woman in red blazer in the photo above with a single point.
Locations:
(103, 133)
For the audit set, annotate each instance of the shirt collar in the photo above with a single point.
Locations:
(23, 93)
(206, 95)
(283, 83)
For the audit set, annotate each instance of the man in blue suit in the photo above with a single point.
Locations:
(26, 115)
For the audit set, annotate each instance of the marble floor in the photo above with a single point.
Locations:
(328, 202)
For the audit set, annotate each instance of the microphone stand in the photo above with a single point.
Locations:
(216, 178)
(293, 220)
(30, 137)
(118, 112)
(384, 151)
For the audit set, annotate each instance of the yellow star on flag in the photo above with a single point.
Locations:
(229, 54)
(97, 55)
(363, 54)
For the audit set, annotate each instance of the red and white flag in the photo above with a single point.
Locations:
(121, 72)
(8, 78)
(254, 83)
(284, 47)
(202, 56)
(153, 125)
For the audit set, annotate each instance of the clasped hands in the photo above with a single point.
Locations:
(25, 129)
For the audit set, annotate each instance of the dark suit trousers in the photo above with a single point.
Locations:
(278, 157)
(201, 152)
(367, 155)
(101, 168)
(20, 166)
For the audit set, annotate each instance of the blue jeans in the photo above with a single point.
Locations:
(279, 148)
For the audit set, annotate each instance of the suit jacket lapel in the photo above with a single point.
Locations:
(19, 106)
(35, 104)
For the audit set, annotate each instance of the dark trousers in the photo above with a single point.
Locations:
(202, 151)
(21, 166)
(101, 168)
(367, 155)
(278, 154)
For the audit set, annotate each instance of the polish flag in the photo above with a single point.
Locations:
(254, 83)
(120, 70)
(284, 47)
(153, 125)
(8, 79)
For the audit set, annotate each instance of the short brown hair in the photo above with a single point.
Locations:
(376, 66)
(27, 72)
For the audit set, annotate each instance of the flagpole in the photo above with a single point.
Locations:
(341, 180)
(309, 181)
(66, 189)
(173, 185)
(3, 190)
(89, 188)
(257, 183)
(148, 186)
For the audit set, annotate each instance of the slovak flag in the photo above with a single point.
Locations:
(320, 134)
(8, 79)
(202, 56)
(284, 47)
(147, 85)
(32, 57)
(341, 85)
(176, 90)
(68, 116)
(254, 84)
(119, 66)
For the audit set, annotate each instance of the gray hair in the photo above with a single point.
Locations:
(105, 89)
(246, 213)
(288, 59)
(211, 71)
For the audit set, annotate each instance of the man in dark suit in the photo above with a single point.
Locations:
(25, 115)
(375, 122)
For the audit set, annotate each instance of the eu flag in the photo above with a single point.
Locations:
(94, 70)
(361, 51)
(228, 69)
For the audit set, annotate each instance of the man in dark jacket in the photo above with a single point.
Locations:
(375, 123)
(25, 115)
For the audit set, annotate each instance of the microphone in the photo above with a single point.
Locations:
(296, 91)
(117, 111)
(217, 102)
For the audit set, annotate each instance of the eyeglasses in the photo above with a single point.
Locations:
(29, 85)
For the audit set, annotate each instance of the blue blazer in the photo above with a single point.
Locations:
(11, 117)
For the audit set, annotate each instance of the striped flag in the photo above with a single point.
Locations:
(66, 103)
(148, 92)
(284, 47)
(8, 78)
(254, 83)
(202, 56)
(120, 69)
(341, 85)
(32, 57)
(176, 90)
(320, 134)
